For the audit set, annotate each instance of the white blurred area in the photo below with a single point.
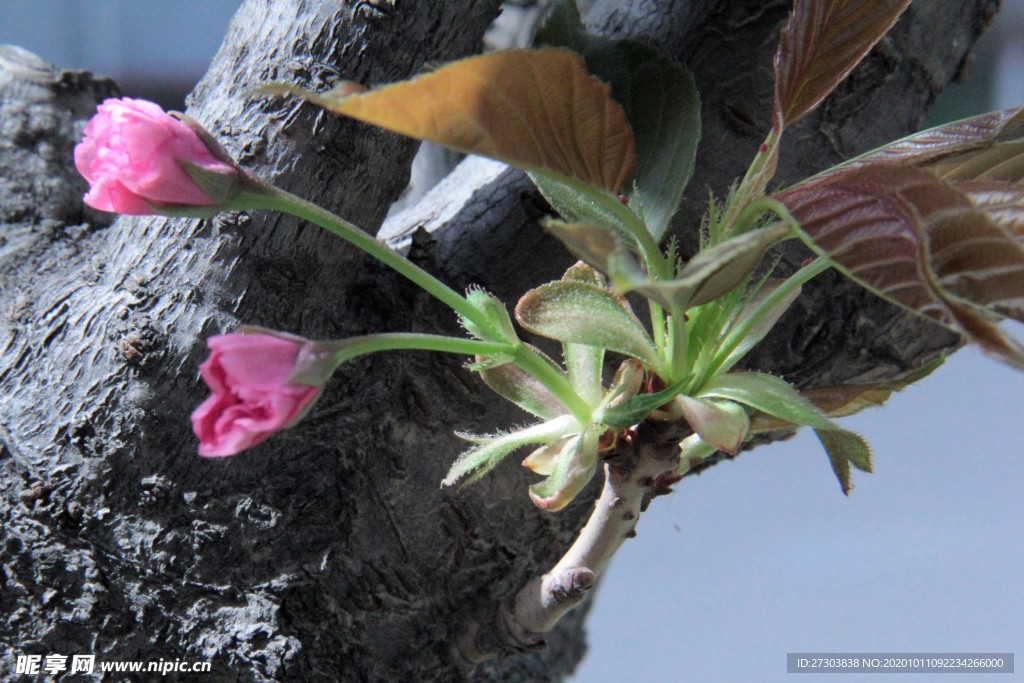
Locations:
(1008, 83)
(155, 49)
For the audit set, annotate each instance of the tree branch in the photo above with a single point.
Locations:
(330, 552)
(643, 465)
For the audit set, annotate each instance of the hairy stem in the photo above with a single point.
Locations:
(265, 196)
(347, 349)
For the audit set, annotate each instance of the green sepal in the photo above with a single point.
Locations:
(219, 184)
(495, 312)
(692, 452)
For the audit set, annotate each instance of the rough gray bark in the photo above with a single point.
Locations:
(329, 553)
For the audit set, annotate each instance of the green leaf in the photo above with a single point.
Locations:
(574, 467)
(631, 411)
(821, 44)
(563, 27)
(491, 450)
(584, 364)
(664, 110)
(724, 267)
(712, 273)
(767, 393)
(661, 103)
(845, 448)
(580, 313)
(581, 203)
(918, 242)
(776, 397)
(535, 109)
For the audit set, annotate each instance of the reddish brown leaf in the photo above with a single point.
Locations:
(821, 43)
(536, 109)
(868, 233)
(1002, 202)
(985, 147)
(989, 147)
(921, 243)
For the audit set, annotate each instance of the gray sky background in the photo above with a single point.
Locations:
(764, 555)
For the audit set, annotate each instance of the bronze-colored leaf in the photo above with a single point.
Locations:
(843, 400)
(661, 103)
(845, 448)
(536, 109)
(921, 243)
(985, 147)
(821, 43)
(1002, 202)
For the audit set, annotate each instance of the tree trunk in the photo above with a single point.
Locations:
(329, 552)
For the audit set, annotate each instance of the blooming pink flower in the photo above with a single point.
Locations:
(132, 156)
(252, 397)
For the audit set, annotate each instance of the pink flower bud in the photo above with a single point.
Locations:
(137, 158)
(253, 395)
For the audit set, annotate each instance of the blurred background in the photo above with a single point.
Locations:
(764, 555)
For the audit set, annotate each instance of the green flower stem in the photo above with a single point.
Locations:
(270, 197)
(344, 350)
(266, 196)
(760, 171)
(530, 360)
(677, 345)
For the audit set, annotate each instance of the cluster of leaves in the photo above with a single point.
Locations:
(608, 131)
